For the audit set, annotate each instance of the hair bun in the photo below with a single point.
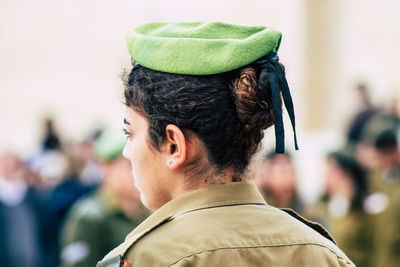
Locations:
(252, 104)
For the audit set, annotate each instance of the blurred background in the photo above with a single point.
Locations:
(60, 90)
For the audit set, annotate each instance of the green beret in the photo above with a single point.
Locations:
(200, 48)
(109, 145)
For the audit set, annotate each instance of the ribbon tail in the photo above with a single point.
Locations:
(278, 84)
(277, 109)
(287, 98)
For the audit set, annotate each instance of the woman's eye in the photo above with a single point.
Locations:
(127, 134)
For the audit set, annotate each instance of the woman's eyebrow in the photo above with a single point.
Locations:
(126, 122)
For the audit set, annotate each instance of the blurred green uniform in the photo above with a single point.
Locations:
(353, 231)
(387, 220)
(94, 226)
(354, 235)
(225, 225)
(381, 133)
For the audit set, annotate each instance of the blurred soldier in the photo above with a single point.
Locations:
(276, 180)
(345, 191)
(378, 147)
(100, 222)
(19, 224)
(365, 113)
(51, 140)
(381, 135)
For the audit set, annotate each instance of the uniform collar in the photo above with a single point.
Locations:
(235, 193)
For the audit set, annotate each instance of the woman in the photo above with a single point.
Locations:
(198, 99)
(351, 225)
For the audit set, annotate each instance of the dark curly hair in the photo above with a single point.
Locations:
(227, 112)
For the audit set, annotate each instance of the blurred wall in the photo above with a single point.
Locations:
(349, 42)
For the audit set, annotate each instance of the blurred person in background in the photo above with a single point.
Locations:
(20, 243)
(99, 222)
(366, 111)
(50, 161)
(379, 152)
(373, 136)
(377, 148)
(346, 188)
(58, 166)
(57, 201)
(51, 140)
(91, 173)
(276, 179)
(381, 133)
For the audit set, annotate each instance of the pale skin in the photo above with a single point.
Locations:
(160, 175)
(278, 175)
(338, 182)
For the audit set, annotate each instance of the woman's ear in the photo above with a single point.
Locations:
(176, 146)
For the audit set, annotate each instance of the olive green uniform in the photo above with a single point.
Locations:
(94, 226)
(353, 231)
(387, 230)
(225, 225)
(354, 235)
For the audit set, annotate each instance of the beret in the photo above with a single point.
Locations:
(109, 145)
(200, 48)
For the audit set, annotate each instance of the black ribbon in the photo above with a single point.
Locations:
(279, 85)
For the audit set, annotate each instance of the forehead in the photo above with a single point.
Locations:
(134, 118)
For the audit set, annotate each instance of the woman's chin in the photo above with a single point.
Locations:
(146, 203)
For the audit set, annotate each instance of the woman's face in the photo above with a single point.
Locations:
(121, 179)
(337, 181)
(149, 166)
(278, 175)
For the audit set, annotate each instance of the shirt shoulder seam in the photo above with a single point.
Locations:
(261, 246)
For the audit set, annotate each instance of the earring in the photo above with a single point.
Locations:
(170, 162)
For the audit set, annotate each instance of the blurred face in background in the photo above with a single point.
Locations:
(278, 176)
(121, 179)
(337, 181)
(367, 155)
(9, 165)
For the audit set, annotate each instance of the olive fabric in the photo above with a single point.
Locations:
(386, 219)
(352, 229)
(93, 227)
(225, 225)
(200, 48)
(354, 234)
